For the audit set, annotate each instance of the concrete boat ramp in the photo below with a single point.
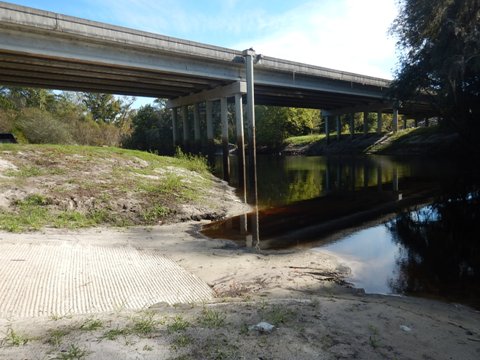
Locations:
(61, 273)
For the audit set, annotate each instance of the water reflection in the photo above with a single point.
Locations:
(302, 198)
(426, 250)
(441, 245)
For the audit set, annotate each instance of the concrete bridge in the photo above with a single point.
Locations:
(50, 50)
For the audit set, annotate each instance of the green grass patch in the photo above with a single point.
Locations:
(304, 140)
(211, 318)
(14, 338)
(178, 324)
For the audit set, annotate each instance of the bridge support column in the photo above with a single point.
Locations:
(225, 152)
(365, 122)
(351, 119)
(196, 127)
(395, 120)
(240, 145)
(327, 130)
(404, 117)
(175, 127)
(379, 122)
(186, 128)
(210, 142)
(337, 123)
(416, 122)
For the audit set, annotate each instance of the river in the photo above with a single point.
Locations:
(404, 226)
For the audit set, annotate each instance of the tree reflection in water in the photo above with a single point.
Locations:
(441, 248)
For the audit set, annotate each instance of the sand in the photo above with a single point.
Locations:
(302, 293)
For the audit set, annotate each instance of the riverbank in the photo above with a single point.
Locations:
(432, 141)
(301, 293)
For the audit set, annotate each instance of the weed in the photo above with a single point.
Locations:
(73, 353)
(182, 340)
(155, 213)
(113, 334)
(211, 318)
(373, 339)
(178, 324)
(279, 315)
(56, 336)
(91, 325)
(147, 348)
(145, 324)
(13, 338)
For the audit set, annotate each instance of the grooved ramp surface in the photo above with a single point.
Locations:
(45, 280)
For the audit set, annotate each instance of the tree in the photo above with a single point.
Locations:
(439, 43)
(152, 130)
(106, 107)
(275, 124)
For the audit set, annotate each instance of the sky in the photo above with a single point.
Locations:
(347, 35)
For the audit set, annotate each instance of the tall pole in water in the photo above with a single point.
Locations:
(250, 57)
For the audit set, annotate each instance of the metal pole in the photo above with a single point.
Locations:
(240, 146)
(252, 157)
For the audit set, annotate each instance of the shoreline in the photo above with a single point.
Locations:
(297, 289)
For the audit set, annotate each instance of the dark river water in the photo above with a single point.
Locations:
(407, 227)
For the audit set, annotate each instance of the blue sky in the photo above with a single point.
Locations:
(348, 35)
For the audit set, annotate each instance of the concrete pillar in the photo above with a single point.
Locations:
(379, 177)
(210, 142)
(404, 122)
(395, 179)
(240, 146)
(416, 122)
(252, 157)
(337, 122)
(379, 122)
(395, 120)
(327, 130)
(196, 126)
(186, 128)
(225, 152)
(175, 127)
(351, 118)
(365, 122)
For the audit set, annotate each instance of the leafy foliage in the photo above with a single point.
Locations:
(440, 57)
(275, 124)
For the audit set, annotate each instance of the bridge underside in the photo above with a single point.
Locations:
(30, 70)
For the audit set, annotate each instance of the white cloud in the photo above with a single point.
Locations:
(348, 35)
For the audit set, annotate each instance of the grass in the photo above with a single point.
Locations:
(145, 324)
(55, 336)
(211, 318)
(304, 139)
(91, 325)
(13, 338)
(278, 314)
(98, 178)
(113, 334)
(178, 324)
(73, 353)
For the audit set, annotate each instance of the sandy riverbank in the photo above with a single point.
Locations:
(301, 292)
